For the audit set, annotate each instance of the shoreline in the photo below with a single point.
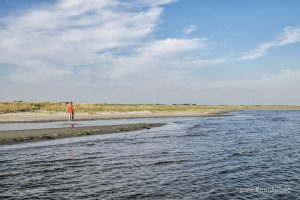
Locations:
(31, 117)
(34, 135)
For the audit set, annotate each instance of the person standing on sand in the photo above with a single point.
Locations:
(71, 112)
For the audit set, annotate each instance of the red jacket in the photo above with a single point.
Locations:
(70, 108)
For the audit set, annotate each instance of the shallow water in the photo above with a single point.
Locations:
(249, 155)
(59, 124)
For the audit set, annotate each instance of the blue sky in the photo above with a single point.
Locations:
(150, 51)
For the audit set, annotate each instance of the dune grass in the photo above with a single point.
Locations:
(13, 107)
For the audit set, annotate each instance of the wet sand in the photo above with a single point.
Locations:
(60, 116)
(12, 137)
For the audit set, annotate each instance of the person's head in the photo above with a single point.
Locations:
(70, 103)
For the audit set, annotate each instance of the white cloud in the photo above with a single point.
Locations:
(71, 33)
(93, 41)
(204, 62)
(154, 2)
(151, 58)
(170, 47)
(188, 30)
(290, 35)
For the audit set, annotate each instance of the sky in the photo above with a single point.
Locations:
(151, 51)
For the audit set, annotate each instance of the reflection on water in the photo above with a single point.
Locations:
(251, 155)
(71, 125)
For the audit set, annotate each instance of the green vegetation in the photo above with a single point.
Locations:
(13, 107)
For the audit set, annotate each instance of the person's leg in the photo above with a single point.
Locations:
(70, 117)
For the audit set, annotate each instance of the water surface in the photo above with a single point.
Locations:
(249, 155)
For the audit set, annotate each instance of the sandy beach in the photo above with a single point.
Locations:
(61, 116)
(18, 136)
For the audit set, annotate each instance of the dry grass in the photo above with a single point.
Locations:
(13, 107)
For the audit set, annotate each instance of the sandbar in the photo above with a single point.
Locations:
(19, 136)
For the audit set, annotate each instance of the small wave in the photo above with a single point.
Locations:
(138, 195)
(162, 136)
(196, 126)
(115, 141)
(244, 153)
(178, 122)
(168, 162)
(138, 142)
(193, 134)
(279, 119)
